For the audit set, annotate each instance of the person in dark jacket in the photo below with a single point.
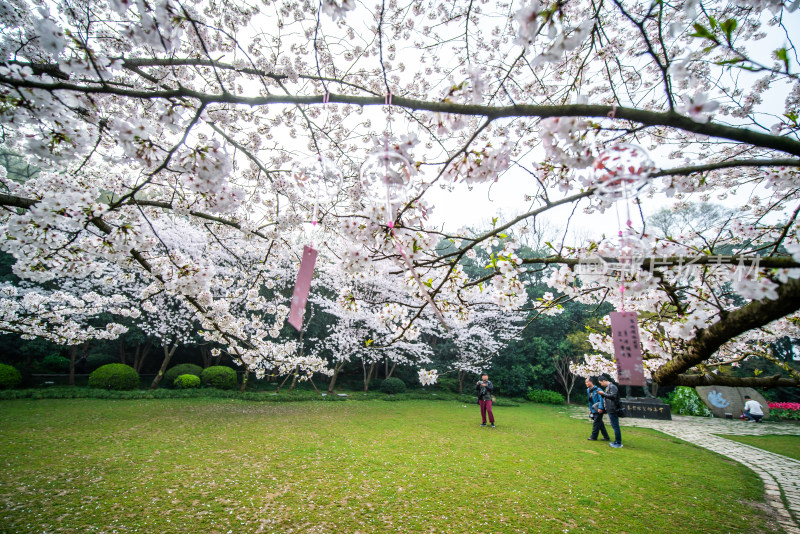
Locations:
(484, 389)
(611, 401)
(597, 408)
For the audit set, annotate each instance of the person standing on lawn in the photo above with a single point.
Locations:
(484, 389)
(597, 408)
(611, 401)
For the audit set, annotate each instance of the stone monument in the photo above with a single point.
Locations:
(647, 407)
(726, 401)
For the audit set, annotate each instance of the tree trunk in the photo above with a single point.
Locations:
(244, 380)
(205, 354)
(140, 355)
(294, 381)
(218, 358)
(73, 352)
(168, 352)
(368, 377)
(122, 353)
(706, 342)
(461, 375)
(336, 369)
(391, 371)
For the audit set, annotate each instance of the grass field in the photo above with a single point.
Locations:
(785, 445)
(220, 465)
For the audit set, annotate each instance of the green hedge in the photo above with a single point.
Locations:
(71, 392)
(544, 396)
(9, 377)
(219, 376)
(116, 376)
(393, 386)
(685, 401)
(187, 382)
(447, 384)
(172, 373)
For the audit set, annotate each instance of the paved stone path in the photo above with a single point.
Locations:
(781, 475)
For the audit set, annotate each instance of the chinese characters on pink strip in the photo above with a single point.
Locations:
(627, 349)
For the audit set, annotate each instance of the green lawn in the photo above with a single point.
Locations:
(785, 445)
(220, 465)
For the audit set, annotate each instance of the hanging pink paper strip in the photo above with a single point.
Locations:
(301, 288)
(627, 349)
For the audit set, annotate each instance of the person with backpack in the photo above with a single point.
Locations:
(596, 407)
(612, 404)
(484, 389)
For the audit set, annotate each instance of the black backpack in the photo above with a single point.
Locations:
(620, 408)
(617, 402)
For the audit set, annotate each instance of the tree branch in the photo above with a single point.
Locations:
(732, 381)
(749, 317)
(645, 117)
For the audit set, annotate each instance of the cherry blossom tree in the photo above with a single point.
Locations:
(265, 127)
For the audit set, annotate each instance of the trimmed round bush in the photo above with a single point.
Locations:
(392, 386)
(181, 369)
(545, 396)
(116, 376)
(187, 382)
(9, 377)
(219, 376)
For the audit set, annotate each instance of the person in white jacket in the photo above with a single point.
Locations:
(752, 410)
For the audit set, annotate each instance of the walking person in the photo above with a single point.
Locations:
(611, 401)
(597, 408)
(484, 389)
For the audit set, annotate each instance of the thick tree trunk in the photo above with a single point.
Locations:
(391, 371)
(707, 341)
(73, 352)
(168, 352)
(774, 381)
(122, 353)
(205, 354)
(332, 383)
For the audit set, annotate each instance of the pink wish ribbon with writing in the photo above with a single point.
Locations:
(302, 286)
(627, 349)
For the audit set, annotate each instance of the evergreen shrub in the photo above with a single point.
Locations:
(685, 401)
(187, 382)
(181, 369)
(9, 377)
(116, 376)
(219, 376)
(393, 386)
(544, 396)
